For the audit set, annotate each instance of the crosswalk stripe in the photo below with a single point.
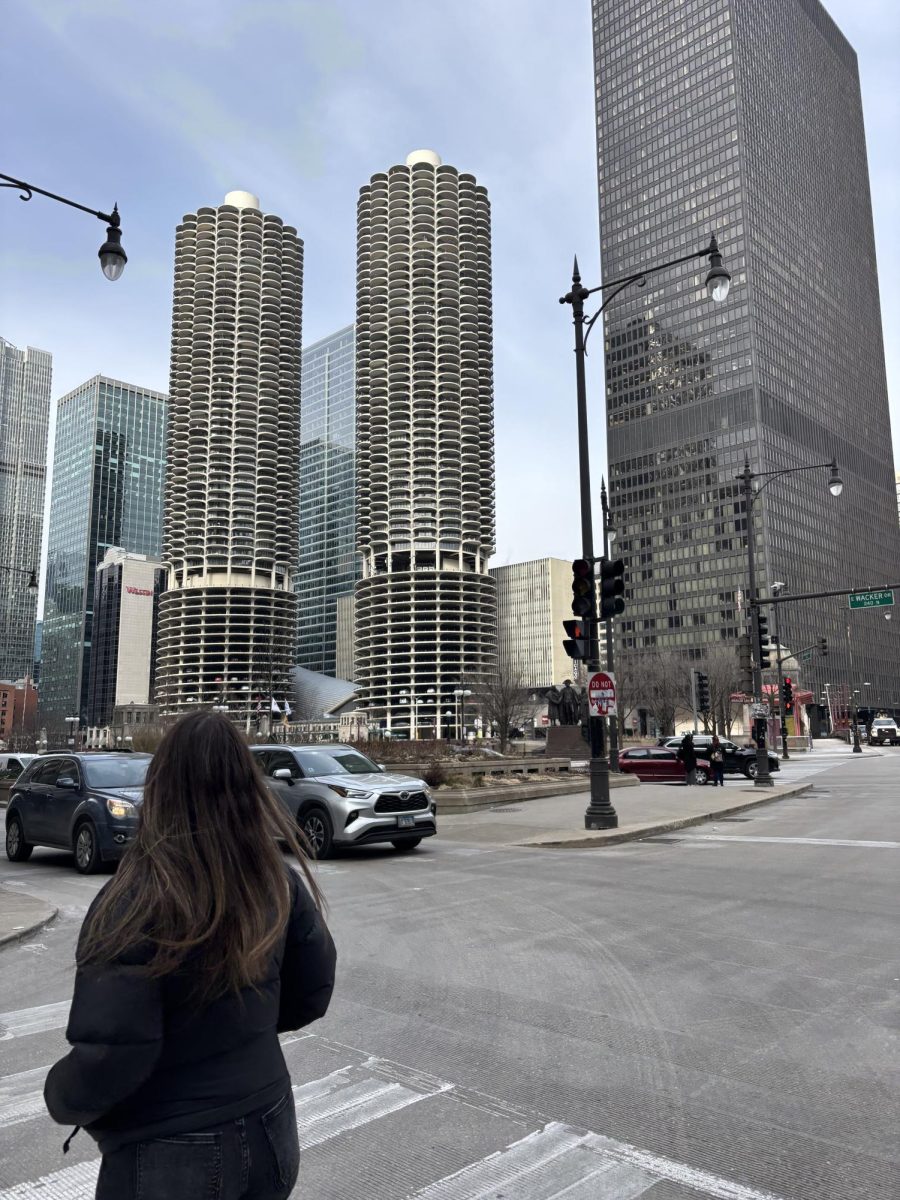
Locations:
(22, 1096)
(555, 1161)
(23, 1021)
(785, 841)
(341, 1102)
(71, 1183)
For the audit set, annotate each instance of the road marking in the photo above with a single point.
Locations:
(349, 1098)
(22, 1096)
(788, 841)
(70, 1183)
(553, 1161)
(24, 1021)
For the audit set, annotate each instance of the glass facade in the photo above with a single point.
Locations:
(24, 417)
(742, 120)
(328, 559)
(107, 491)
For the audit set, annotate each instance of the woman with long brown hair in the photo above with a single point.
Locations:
(202, 948)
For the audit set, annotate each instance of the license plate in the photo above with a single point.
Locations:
(406, 822)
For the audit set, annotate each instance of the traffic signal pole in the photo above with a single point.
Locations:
(762, 778)
(600, 813)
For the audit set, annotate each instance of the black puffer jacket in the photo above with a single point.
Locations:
(145, 1062)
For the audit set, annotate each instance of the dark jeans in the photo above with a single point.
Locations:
(718, 774)
(256, 1157)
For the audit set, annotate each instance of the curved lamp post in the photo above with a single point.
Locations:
(751, 495)
(32, 584)
(600, 813)
(111, 254)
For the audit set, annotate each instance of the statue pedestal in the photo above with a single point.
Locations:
(565, 741)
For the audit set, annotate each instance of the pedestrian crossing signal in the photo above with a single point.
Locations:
(577, 643)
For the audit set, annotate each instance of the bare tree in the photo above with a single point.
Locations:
(628, 686)
(721, 666)
(665, 686)
(506, 699)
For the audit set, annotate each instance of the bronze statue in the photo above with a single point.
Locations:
(569, 705)
(553, 699)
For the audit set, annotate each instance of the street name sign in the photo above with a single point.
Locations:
(877, 599)
(602, 695)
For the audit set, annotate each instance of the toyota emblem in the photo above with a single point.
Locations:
(404, 795)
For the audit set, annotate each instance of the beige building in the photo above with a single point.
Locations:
(533, 600)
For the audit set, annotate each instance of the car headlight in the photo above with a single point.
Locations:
(350, 793)
(120, 808)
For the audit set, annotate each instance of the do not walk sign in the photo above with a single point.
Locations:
(602, 695)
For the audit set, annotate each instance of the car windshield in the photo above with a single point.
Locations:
(883, 721)
(116, 772)
(335, 762)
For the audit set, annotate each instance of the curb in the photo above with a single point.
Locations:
(28, 929)
(614, 837)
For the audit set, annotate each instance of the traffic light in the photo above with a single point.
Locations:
(765, 645)
(787, 696)
(703, 704)
(582, 582)
(612, 585)
(745, 664)
(823, 646)
(577, 643)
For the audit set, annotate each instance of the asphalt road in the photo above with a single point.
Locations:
(709, 1013)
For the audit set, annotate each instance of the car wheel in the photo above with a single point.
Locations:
(87, 851)
(750, 770)
(17, 849)
(316, 828)
(701, 776)
(404, 846)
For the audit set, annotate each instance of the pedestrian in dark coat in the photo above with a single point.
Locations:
(688, 756)
(191, 960)
(717, 761)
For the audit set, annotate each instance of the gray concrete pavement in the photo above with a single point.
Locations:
(709, 1013)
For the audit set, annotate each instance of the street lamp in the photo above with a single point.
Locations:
(751, 495)
(857, 747)
(448, 717)
(32, 584)
(600, 813)
(111, 254)
(460, 694)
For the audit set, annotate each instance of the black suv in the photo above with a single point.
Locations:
(739, 760)
(86, 803)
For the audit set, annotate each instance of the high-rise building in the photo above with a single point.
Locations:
(328, 559)
(426, 605)
(123, 645)
(228, 617)
(24, 417)
(108, 465)
(743, 119)
(533, 600)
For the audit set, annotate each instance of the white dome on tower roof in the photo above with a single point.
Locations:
(242, 200)
(423, 156)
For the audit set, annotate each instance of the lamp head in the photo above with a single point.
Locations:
(835, 483)
(32, 582)
(718, 280)
(112, 255)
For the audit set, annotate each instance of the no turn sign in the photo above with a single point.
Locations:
(602, 695)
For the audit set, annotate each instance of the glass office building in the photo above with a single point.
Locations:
(108, 467)
(328, 559)
(744, 120)
(24, 417)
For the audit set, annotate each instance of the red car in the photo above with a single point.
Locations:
(656, 764)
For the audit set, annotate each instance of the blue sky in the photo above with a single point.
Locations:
(165, 106)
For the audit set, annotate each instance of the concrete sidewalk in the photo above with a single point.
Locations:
(643, 811)
(21, 915)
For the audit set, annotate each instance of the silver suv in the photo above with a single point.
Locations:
(339, 797)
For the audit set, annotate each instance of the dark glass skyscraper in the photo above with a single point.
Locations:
(108, 465)
(743, 118)
(328, 559)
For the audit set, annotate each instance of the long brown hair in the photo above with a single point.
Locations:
(205, 875)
